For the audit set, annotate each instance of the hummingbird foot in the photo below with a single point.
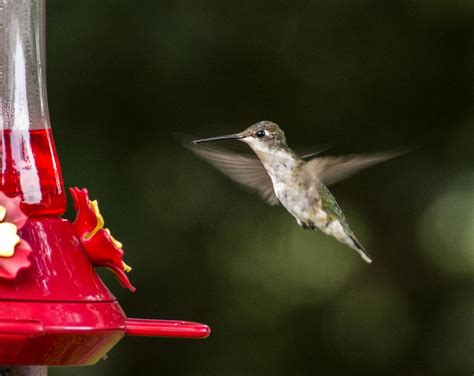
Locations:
(307, 226)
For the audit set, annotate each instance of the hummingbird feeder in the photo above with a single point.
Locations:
(54, 309)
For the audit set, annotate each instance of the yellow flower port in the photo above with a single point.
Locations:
(8, 235)
(99, 226)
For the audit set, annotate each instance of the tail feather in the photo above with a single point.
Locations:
(360, 249)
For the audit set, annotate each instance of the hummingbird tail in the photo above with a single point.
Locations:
(360, 249)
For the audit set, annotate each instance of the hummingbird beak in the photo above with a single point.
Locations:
(236, 136)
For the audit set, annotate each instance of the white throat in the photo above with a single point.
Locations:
(279, 162)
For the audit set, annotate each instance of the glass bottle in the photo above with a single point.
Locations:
(29, 166)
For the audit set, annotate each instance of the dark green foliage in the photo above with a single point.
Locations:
(361, 75)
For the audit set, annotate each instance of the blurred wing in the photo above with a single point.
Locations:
(242, 168)
(322, 149)
(331, 170)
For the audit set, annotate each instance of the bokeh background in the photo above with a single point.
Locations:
(364, 76)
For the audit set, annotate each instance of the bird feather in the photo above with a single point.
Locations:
(332, 169)
(245, 169)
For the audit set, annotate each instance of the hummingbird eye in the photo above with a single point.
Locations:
(260, 134)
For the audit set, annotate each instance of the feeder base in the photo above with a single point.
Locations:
(58, 333)
(24, 371)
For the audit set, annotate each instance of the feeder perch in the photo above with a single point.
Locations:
(54, 309)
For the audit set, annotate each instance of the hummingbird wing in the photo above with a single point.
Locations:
(322, 149)
(333, 169)
(242, 168)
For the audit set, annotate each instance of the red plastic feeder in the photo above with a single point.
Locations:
(54, 309)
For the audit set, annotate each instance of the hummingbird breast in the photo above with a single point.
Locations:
(299, 198)
(296, 192)
(302, 202)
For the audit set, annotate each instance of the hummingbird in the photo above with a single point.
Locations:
(298, 183)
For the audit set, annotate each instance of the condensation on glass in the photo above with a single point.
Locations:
(29, 164)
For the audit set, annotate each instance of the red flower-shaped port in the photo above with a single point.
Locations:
(14, 252)
(100, 246)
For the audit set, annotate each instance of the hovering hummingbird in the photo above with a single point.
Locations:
(279, 175)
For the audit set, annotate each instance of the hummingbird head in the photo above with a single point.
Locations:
(264, 135)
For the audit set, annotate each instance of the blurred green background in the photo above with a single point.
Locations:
(363, 75)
